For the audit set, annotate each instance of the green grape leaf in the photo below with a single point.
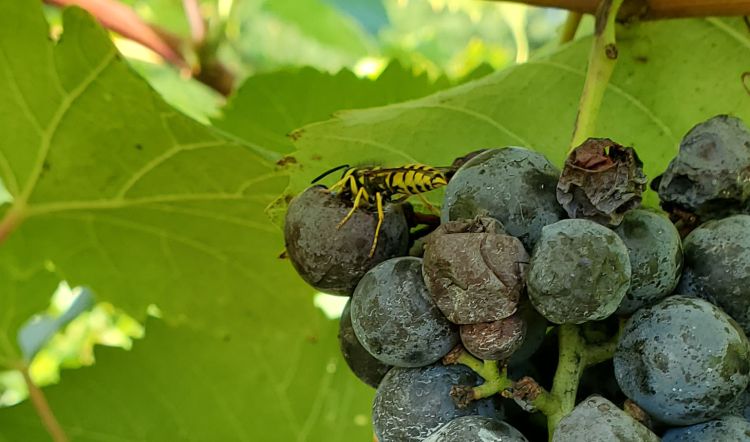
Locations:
(670, 75)
(188, 385)
(267, 107)
(113, 189)
(188, 96)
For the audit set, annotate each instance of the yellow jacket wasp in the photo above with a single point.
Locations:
(370, 186)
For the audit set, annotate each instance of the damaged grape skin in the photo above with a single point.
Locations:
(513, 185)
(579, 272)
(683, 360)
(332, 259)
(724, 429)
(476, 429)
(601, 181)
(412, 403)
(597, 419)
(655, 252)
(395, 318)
(364, 365)
(496, 340)
(710, 176)
(717, 266)
(474, 271)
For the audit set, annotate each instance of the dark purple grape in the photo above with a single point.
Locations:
(717, 266)
(412, 403)
(476, 429)
(655, 252)
(536, 331)
(395, 318)
(683, 360)
(333, 260)
(742, 406)
(596, 419)
(711, 174)
(513, 185)
(579, 272)
(724, 429)
(364, 365)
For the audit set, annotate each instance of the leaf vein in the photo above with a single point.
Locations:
(160, 159)
(485, 118)
(617, 90)
(286, 406)
(212, 216)
(227, 411)
(57, 118)
(69, 206)
(317, 406)
(729, 31)
(194, 244)
(381, 146)
(19, 95)
(99, 246)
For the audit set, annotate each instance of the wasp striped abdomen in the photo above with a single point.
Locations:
(412, 179)
(371, 186)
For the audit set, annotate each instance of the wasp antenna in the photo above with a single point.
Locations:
(328, 172)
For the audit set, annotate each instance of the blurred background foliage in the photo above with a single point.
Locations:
(437, 36)
(447, 40)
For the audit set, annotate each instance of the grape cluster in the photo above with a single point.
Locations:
(458, 323)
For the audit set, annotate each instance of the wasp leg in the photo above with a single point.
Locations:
(347, 180)
(379, 200)
(427, 204)
(354, 207)
(338, 185)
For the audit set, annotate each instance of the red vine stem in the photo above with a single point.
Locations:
(195, 20)
(43, 409)
(11, 220)
(123, 20)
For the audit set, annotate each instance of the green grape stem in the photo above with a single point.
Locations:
(570, 27)
(575, 356)
(570, 365)
(495, 379)
(602, 60)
